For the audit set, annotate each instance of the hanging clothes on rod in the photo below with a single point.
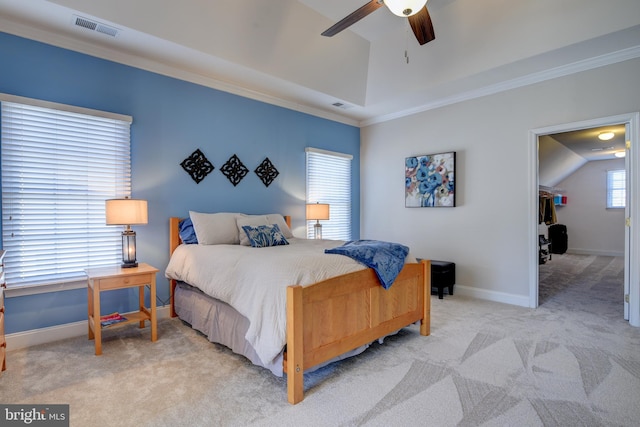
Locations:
(547, 209)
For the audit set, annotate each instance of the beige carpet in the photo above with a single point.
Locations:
(485, 364)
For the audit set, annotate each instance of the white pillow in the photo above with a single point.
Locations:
(282, 224)
(215, 228)
(251, 220)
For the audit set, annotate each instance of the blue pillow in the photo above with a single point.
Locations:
(263, 236)
(186, 231)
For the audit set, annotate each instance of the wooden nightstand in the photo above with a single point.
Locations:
(110, 278)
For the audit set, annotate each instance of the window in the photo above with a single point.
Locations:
(59, 165)
(616, 192)
(329, 181)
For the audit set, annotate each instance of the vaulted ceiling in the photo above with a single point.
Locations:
(272, 50)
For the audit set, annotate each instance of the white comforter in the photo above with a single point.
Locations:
(254, 281)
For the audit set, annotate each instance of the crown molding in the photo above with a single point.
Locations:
(106, 53)
(533, 78)
(157, 67)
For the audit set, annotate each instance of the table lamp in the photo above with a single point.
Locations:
(127, 212)
(317, 212)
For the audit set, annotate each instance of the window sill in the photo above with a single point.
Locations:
(20, 291)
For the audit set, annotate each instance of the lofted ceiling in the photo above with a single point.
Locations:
(586, 144)
(272, 50)
(560, 154)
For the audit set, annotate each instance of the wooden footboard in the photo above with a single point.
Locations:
(330, 318)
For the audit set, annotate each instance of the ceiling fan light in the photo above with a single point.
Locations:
(405, 7)
(605, 136)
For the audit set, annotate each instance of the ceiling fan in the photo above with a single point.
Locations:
(415, 10)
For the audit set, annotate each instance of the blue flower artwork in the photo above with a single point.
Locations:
(429, 180)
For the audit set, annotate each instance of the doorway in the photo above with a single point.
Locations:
(631, 302)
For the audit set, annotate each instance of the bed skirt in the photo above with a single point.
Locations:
(219, 322)
(222, 324)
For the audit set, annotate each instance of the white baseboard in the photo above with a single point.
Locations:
(520, 300)
(25, 339)
(594, 252)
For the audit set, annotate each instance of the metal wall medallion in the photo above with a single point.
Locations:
(266, 172)
(234, 170)
(197, 166)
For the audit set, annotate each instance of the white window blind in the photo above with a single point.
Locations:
(616, 189)
(329, 181)
(58, 168)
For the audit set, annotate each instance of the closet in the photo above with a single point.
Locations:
(548, 227)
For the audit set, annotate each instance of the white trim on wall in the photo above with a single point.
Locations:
(579, 251)
(138, 61)
(495, 296)
(526, 80)
(19, 340)
(633, 122)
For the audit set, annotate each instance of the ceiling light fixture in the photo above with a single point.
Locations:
(405, 7)
(620, 154)
(605, 136)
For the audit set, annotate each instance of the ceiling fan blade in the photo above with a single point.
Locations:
(354, 17)
(422, 26)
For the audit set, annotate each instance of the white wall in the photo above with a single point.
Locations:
(487, 234)
(591, 227)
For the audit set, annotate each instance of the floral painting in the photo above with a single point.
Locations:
(429, 180)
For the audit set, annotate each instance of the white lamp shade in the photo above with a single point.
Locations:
(405, 7)
(126, 211)
(317, 211)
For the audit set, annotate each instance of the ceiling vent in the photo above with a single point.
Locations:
(342, 105)
(91, 25)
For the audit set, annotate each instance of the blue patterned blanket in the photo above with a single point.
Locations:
(387, 259)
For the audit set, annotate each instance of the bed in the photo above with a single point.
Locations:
(324, 321)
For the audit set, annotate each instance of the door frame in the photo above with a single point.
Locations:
(632, 239)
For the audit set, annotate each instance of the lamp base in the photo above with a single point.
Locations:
(317, 230)
(129, 248)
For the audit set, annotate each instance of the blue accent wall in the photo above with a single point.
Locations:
(171, 119)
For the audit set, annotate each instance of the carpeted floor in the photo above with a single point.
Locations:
(484, 364)
(583, 282)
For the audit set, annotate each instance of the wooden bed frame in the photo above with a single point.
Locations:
(329, 318)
